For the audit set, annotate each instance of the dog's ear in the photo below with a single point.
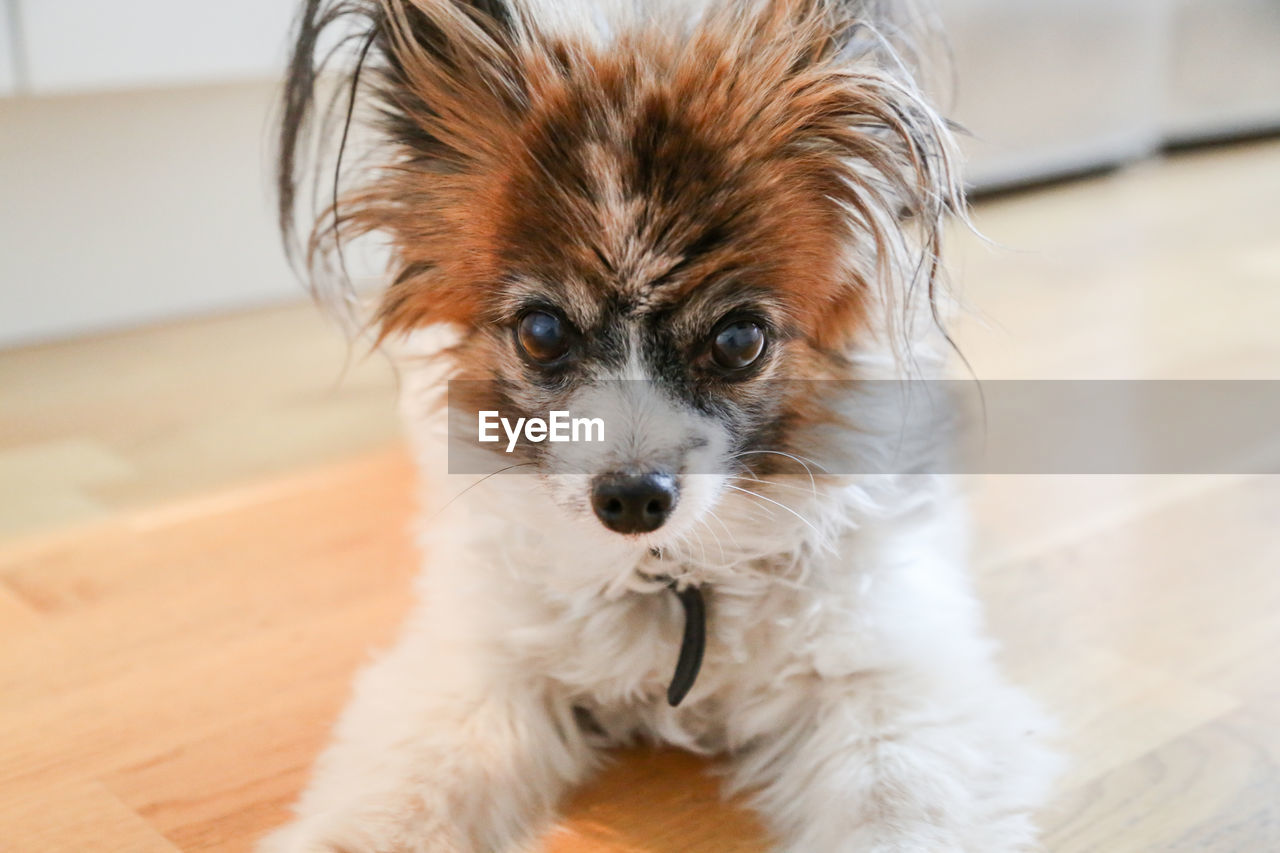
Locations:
(896, 31)
(437, 81)
(450, 67)
(870, 136)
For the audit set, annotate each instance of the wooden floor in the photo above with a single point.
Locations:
(202, 534)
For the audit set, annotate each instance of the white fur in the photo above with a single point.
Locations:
(847, 683)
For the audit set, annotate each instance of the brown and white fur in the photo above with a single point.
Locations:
(645, 170)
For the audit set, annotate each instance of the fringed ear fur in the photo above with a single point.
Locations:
(426, 75)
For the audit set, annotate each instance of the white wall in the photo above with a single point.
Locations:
(8, 55)
(91, 45)
(124, 208)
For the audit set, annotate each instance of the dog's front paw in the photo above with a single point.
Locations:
(900, 839)
(297, 837)
(913, 845)
(1007, 834)
(351, 835)
(319, 836)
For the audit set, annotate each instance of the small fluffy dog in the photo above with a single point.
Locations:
(712, 219)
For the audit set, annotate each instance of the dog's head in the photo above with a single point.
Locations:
(665, 223)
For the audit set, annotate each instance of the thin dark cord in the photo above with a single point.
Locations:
(693, 644)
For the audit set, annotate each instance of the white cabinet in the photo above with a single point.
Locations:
(1224, 75)
(90, 45)
(1048, 87)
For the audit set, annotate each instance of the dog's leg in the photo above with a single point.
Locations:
(903, 763)
(438, 753)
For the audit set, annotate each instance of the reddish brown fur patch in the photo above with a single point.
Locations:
(638, 173)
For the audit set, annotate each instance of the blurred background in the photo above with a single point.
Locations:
(135, 134)
(204, 497)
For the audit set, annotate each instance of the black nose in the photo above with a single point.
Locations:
(628, 503)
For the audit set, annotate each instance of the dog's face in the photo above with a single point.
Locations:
(664, 231)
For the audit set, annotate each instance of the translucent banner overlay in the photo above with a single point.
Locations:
(870, 427)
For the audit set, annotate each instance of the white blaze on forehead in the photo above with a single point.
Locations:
(635, 368)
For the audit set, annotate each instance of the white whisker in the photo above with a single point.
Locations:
(775, 503)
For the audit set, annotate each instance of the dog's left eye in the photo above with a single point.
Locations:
(543, 336)
(738, 344)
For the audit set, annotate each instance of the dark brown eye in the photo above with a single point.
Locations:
(543, 336)
(737, 344)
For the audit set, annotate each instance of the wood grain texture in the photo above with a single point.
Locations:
(185, 591)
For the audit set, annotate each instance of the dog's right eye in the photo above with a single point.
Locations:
(543, 337)
(738, 344)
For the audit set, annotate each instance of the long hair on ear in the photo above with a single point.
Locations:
(864, 63)
(427, 76)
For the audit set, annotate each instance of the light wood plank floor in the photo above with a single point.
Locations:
(202, 534)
